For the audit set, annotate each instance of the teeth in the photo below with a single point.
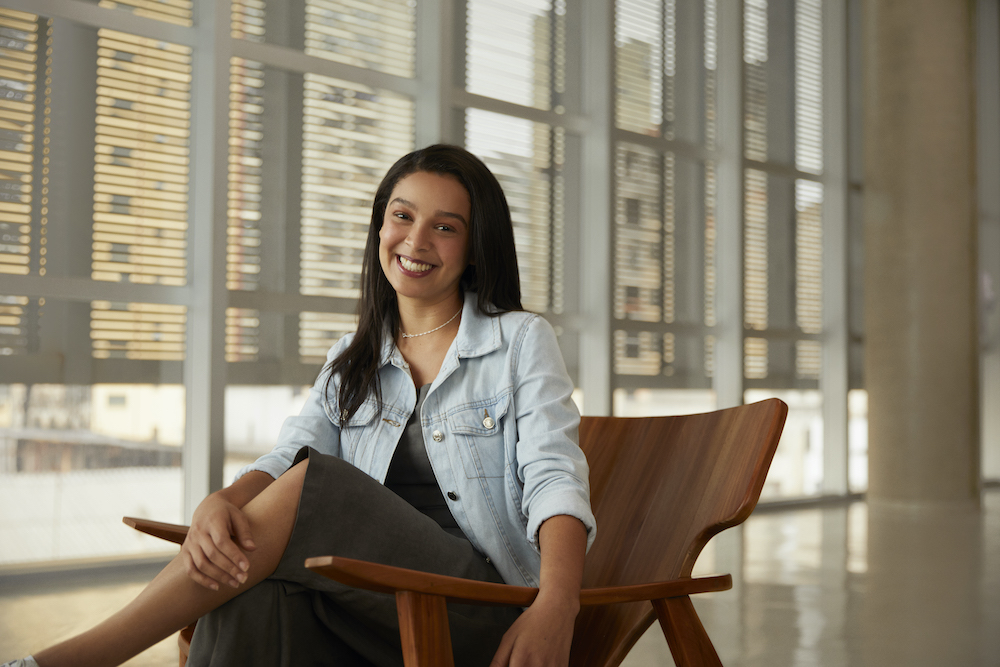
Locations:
(410, 265)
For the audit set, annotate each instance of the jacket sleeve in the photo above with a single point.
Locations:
(312, 427)
(550, 464)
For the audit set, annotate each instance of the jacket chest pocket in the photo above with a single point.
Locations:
(479, 429)
(361, 428)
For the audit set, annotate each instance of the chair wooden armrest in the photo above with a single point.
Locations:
(389, 579)
(171, 532)
(423, 618)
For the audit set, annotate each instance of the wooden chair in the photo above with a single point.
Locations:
(661, 487)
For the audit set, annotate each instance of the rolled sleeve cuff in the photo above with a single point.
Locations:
(570, 503)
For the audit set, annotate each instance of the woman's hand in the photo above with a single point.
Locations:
(540, 637)
(210, 552)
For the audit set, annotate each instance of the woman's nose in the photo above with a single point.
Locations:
(418, 236)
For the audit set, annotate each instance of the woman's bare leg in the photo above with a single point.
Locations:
(172, 600)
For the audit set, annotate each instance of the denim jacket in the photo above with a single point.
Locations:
(500, 428)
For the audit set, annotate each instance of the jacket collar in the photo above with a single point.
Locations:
(478, 335)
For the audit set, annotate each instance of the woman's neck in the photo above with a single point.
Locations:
(426, 333)
(418, 318)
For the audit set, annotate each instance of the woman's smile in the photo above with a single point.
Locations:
(412, 267)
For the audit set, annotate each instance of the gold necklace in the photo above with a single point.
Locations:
(406, 335)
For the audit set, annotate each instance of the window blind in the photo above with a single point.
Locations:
(527, 159)
(140, 191)
(375, 34)
(25, 69)
(178, 12)
(352, 134)
(515, 51)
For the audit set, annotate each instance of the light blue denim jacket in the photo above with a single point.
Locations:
(500, 428)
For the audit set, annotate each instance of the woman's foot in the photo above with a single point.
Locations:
(23, 662)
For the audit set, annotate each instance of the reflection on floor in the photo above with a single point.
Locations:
(833, 586)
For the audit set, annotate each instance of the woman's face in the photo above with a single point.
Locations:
(424, 240)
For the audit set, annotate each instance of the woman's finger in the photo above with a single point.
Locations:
(225, 555)
(241, 529)
(208, 569)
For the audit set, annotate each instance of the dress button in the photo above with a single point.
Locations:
(452, 495)
(438, 436)
(488, 422)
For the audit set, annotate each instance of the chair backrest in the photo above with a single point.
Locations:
(661, 487)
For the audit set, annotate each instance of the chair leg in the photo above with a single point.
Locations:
(184, 643)
(423, 630)
(686, 636)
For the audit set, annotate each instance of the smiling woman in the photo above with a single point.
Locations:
(450, 449)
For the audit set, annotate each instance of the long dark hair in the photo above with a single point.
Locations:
(491, 273)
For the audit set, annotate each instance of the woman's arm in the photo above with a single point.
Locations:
(543, 634)
(210, 555)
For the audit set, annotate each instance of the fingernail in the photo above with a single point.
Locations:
(242, 578)
(244, 566)
(214, 586)
(234, 583)
(248, 544)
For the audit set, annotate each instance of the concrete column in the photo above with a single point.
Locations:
(920, 247)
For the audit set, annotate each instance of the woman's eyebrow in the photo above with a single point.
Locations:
(439, 213)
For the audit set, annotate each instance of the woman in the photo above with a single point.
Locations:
(449, 394)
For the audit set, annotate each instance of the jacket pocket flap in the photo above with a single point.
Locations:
(481, 417)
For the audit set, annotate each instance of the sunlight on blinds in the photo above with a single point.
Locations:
(640, 38)
(13, 327)
(247, 20)
(755, 79)
(177, 12)
(243, 249)
(526, 158)
(515, 51)
(141, 170)
(637, 353)
(352, 134)
(638, 234)
(755, 212)
(711, 233)
(375, 34)
(25, 44)
(809, 85)
(19, 120)
(140, 190)
(137, 330)
(808, 275)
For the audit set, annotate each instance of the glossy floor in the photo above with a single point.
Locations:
(833, 586)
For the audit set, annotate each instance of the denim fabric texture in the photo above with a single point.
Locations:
(499, 424)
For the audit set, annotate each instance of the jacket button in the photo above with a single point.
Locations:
(488, 422)
(452, 495)
(438, 436)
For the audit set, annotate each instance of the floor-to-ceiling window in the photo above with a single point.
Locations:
(185, 192)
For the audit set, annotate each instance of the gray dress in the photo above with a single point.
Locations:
(298, 618)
